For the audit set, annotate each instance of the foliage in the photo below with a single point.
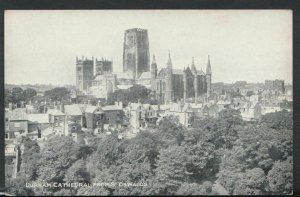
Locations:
(29, 157)
(134, 94)
(59, 155)
(170, 171)
(87, 98)
(170, 131)
(58, 94)
(17, 95)
(280, 177)
(195, 189)
(18, 187)
(279, 120)
(252, 182)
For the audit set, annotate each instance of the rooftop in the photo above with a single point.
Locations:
(55, 112)
(72, 110)
(39, 118)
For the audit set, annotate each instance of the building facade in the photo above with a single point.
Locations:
(171, 84)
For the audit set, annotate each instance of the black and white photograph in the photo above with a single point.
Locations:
(148, 102)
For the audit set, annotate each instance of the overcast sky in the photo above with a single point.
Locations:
(250, 45)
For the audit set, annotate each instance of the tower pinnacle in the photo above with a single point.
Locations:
(208, 68)
(193, 67)
(153, 60)
(169, 63)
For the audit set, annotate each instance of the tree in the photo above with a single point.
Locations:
(252, 182)
(18, 187)
(133, 94)
(249, 93)
(187, 189)
(29, 158)
(77, 173)
(280, 177)
(171, 170)
(201, 160)
(30, 93)
(170, 131)
(63, 192)
(278, 120)
(58, 94)
(58, 155)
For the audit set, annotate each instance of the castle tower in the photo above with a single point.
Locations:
(208, 77)
(169, 88)
(136, 52)
(84, 73)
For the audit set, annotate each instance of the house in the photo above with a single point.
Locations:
(36, 124)
(57, 121)
(73, 113)
(223, 104)
(265, 109)
(136, 114)
(113, 116)
(93, 118)
(183, 111)
(75, 131)
(251, 111)
(197, 109)
(213, 111)
(18, 121)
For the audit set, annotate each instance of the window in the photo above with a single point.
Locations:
(74, 127)
(17, 124)
(6, 135)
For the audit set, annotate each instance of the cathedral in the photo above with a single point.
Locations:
(167, 84)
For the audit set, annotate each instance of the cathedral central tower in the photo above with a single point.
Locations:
(136, 52)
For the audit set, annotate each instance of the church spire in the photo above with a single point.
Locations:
(169, 63)
(208, 68)
(193, 67)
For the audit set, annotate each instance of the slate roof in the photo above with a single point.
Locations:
(124, 87)
(145, 75)
(55, 112)
(112, 107)
(73, 110)
(92, 109)
(40, 118)
(18, 114)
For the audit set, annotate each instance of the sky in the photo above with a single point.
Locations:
(250, 45)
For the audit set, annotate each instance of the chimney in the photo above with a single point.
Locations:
(98, 103)
(10, 106)
(62, 107)
(22, 104)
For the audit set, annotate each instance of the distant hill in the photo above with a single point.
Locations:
(37, 87)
